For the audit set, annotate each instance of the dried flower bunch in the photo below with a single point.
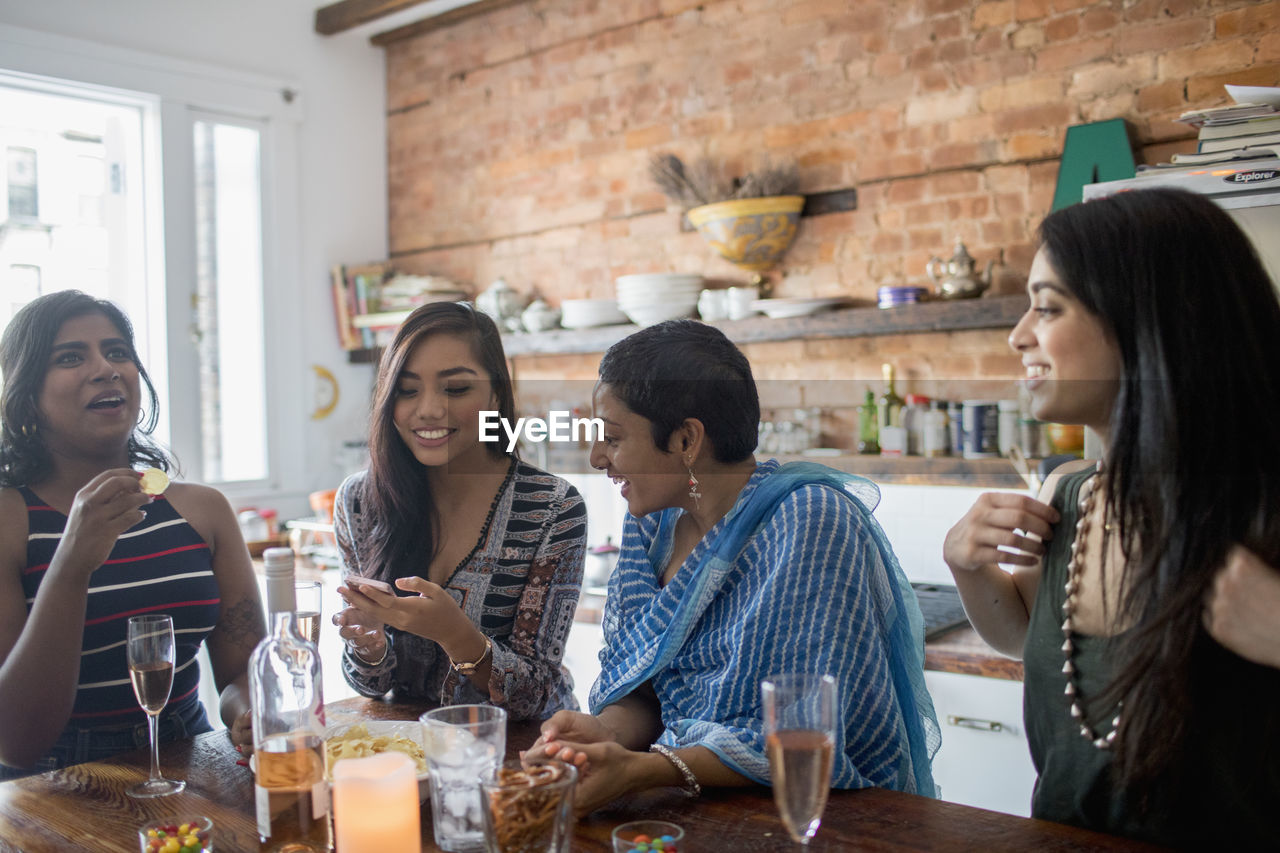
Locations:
(704, 182)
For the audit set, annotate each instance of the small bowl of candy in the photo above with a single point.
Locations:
(188, 834)
(648, 836)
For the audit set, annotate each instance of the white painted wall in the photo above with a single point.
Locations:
(339, 208)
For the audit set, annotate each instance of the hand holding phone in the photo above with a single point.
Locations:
(369, 583)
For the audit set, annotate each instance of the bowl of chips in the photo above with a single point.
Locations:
(372, 737)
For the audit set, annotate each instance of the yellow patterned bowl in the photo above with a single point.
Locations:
(752, 233)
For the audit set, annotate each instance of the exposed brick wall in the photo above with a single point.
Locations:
(519, 140)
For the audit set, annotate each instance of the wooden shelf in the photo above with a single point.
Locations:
(993, 312)
(921, 471)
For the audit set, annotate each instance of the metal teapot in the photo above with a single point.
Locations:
(503, 304)
(957, 277)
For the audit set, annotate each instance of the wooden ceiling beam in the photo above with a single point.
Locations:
(446, 19)
(348, 14)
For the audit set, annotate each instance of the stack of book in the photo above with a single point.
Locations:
(1233, 132)
(371, 300)
(352, 288)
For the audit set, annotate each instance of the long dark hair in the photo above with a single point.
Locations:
(1193, 468)
(24, 361)
(405, 531)
(685, 369)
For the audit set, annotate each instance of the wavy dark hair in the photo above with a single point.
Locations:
(396, 491)
(24, 361)
(1193, 468)
(685, 369)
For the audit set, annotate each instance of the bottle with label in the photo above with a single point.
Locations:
(955, 415)
(981, 429)
(1007, 431)
(285, 688)
(868, 425)
(893, 438)
(936, 434)
(913, 415)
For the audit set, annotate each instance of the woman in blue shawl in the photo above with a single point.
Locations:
(732, 571)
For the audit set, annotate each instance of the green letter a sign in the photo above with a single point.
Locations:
(1095, 152)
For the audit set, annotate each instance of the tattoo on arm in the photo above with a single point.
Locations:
(242, 625)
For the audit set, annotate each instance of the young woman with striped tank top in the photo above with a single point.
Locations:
(82, 549)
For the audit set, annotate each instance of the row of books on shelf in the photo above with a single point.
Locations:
(355, 289)
(371, 300)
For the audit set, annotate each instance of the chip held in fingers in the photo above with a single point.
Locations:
(154, 481)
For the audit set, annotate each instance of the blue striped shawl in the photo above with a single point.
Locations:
(797, 577)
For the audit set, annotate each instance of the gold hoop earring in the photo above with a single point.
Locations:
(693, 486)
(29, 431)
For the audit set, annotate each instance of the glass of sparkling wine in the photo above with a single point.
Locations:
(149, 648)
(307, 608)
(800, 734)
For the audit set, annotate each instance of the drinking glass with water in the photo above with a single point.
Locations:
(464, 744)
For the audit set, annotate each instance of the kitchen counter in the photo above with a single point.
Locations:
(963, 651)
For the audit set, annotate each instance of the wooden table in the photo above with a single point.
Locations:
(85, 808)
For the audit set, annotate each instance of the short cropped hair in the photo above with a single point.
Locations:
(683, 369)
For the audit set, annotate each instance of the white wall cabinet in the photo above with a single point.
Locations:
(984, 760)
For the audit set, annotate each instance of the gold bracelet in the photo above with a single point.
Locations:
(470, 668)
(690, 786)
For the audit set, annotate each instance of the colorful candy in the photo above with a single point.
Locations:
(644, 844)
(177, 838)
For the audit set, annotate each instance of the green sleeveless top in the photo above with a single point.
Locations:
(1074, 786)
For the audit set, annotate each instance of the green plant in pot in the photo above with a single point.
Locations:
(748, 221)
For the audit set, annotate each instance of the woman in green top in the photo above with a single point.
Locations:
(1144, 592)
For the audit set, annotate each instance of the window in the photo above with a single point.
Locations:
(21, 173)
(127, 185)
(229, 328)
(60, 146)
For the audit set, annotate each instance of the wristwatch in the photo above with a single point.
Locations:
(470, 668)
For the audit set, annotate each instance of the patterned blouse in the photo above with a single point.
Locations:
(519, 586)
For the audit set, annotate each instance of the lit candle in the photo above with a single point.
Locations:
(375, 804)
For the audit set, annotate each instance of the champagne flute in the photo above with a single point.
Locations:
(151, 656)
(800, 736)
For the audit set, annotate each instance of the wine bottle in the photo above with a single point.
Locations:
(285, 687)
(868, 429)
(893, 438)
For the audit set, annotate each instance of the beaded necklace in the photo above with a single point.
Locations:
(1075, 567)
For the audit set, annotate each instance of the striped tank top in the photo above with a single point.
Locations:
(161, 565)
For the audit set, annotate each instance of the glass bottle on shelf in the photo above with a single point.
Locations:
(893, 438)
(913, 415)
(936, 434)
(286, 696)
(868, 425)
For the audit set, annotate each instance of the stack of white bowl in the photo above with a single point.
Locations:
(586, 313)
(648, 298)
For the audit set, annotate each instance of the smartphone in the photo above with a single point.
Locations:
(370, 583)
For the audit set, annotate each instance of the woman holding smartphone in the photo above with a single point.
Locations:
(463, 563)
